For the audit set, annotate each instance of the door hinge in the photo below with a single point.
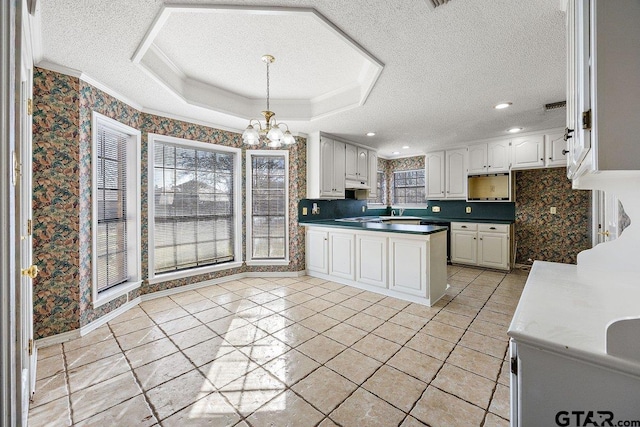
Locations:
(30, 347)
(514, 365)
(586, 120)
(30, 106)
(29, 227)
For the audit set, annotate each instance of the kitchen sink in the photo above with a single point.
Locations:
(400, 218)
(360, 219)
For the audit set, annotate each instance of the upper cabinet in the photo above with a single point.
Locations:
(527, 152)
(555, 150)
(325, 167)
(357, 164)
(603, 93)
(447, 174)
(489, 158)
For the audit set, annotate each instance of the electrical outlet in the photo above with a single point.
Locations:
(315, 209)
(364, 209)
(467, 209)
(553, 210)
(304, 211)
(435, 209)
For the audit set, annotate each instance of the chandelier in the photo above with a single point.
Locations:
(272, 129)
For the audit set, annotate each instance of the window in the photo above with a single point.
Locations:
(267, 207)
(381, 188)
(408, 187)
(115, 209)
(193, 207)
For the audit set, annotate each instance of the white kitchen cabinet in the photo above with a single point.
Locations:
(602, 91)
(408, 266)
(555, 150)
(446, 173)
(456, 173)
(373, 174)
(342, 255)
(356, 163)
(490, 158)
(464, 246)
(527, 152)
(317, 251)
(371, 260)
(325, 167)
(435, 164)
(484, 245)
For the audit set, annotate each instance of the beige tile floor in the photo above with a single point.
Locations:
(290, 352)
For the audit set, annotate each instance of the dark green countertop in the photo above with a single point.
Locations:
(377, 226)
(448, 219)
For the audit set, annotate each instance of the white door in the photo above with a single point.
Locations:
(326, 167)
(371, 260)
(338, 168)
(555, 150)
(373, 175)
(351, 162)
(363, 164)
(435, 175)
(463, 247)
(498, 156)
(408, 266)
(528, 152)
(27, 356)
(478, 159)
(493, 250)
(342, 255)
(456, 173)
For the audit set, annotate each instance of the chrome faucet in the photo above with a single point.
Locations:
(401, 211)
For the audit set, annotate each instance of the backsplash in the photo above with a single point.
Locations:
(331, 209)
(455, 209)
(541, 235)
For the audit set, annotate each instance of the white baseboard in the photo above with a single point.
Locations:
(84, 330)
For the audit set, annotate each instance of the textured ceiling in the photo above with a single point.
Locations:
(444, 68)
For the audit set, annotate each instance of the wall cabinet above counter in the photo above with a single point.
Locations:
(334, 165)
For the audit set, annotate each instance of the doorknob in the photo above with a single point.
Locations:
(31, 271)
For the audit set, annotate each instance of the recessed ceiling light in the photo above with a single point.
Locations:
(514, 130)
(502, 105)
(405, 147)
(395, 153)
(371, 134)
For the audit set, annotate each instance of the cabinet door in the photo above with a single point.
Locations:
(408, 266)
(478, 159)
(363, 164)
(493, 250)
(456, 174)
(317, 251)
(373, 174)
(528, 152)
(351, 161)
(464, 247)
(435, 175)
(338, 169)
(371, 260)
(342, 255)
(555, 147)
(326, 167)
(498, 158)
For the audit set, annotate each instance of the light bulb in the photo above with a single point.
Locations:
(288, 138)
(250, 136)
(275, 134)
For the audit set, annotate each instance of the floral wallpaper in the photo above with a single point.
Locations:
(541, 235)
(402, 164)
(62, 198)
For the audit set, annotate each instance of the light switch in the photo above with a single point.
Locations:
(435, 209)
(304, 211)
(552, 210)
(467, 209)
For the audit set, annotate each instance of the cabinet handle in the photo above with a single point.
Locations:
(463, 226)
(542, 158)
(567, 131)
(564, 152)
(481, 238)
(550, 158)
(474, 238)
(492, 228)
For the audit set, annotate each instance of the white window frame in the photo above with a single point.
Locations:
(248, 220)
(419, 205)
(383, 186)
(134, 252)
(152, 139)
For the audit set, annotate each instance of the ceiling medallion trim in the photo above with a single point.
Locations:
(165, 72)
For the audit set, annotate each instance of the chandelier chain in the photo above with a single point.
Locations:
(268, 86)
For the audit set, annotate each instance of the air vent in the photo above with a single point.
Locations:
(435, 3)
(553, 105)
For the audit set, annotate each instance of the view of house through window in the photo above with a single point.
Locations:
(193, 190)
(267, 200)
(408, 187)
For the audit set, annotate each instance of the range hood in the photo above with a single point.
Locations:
(356, 185)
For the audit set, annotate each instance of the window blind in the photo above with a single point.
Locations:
(268, 210)
(193, 214)
(111, 191)
(408, 186)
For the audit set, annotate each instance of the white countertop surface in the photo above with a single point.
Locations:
(567, 309)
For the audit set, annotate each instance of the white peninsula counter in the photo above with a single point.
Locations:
(403, 261)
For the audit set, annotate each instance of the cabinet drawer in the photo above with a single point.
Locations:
(466, 226)
(494, 228)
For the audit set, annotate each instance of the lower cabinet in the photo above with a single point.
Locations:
(407, 266)
(371, 260)
(484, 245)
